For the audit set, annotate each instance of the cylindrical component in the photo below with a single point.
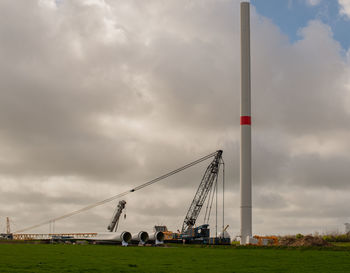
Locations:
(141, 237)
(157, 237)
(110, 237)
(124, 237)
(245, 158)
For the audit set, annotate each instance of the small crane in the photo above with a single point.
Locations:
(113, 225)
(8, 228)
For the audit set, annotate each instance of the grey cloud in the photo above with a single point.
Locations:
(119, 93)
(314, 171)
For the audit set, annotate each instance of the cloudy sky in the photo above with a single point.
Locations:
(99, 96)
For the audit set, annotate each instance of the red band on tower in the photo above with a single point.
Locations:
(246, 120)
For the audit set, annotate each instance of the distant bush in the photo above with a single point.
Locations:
(337, 238)
(299, 236)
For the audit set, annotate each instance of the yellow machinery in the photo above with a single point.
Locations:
(168, 235)
(266, 240)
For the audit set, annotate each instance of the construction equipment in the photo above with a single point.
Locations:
(208, 186)
(210, 175)
(113, 226)
(8, 228)
(8, 235)
(168, 235)
(266, 240)
(224, 233)
(117, 196)
(200, 234)
(209, 179)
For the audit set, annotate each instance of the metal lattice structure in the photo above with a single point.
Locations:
(117, 196)
(116, 215)
(49, 236)
(8, 228)
(204, 188)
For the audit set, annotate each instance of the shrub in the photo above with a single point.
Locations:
(299, 236)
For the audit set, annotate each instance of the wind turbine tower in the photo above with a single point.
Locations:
(245, 152)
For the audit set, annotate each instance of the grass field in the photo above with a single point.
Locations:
(99, 258)
(344, 244)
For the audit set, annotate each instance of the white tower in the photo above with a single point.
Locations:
(245, 160)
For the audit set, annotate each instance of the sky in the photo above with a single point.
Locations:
(292, 15)
(98, 97)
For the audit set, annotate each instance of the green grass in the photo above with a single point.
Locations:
(341, 244)
(99, 258)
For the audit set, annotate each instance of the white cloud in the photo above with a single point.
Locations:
(345, 7)
(313, 2)
(47, 3)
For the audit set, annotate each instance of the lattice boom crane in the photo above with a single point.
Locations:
(204, 188)
(116, 215)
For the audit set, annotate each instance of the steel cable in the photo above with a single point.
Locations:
(120, 194)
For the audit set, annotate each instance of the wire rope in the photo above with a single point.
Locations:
(153, 181)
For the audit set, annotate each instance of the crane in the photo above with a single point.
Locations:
(115, 217)
(113, 225)
(8, 228)
(210, 175)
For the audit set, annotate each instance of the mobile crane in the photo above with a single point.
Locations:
(202, 232)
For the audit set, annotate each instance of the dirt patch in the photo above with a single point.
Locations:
(304, 241)
(287, 241)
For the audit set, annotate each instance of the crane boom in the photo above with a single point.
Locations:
(204, 188)
(116, 215)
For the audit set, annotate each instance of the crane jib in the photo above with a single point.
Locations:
(117, 196)
(204, 188)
